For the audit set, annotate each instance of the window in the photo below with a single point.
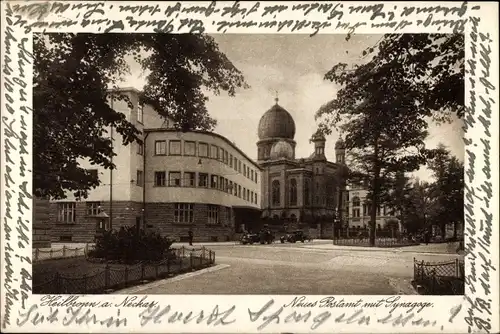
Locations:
(189, 148)
(239, 166)
(93, 208)
(174, 179)
(239, 191)
(175, 147)
(248, 194)
(355, 213)
(276, 192)
(140, 148)
(140, 178)
(293, 192)
(160, 147)
(183, 213)
(203, 180)
(140, 113)
(307, 200)
(252, 174)
(230, 189)
(93, 173)
(160, 179)
(213, 214)
(244, 193)
(235, 165)
(256, 177)
(221, 183)
(256, 199)
(221, 154)
(226, 185)
(67, 212)
(365, 210)
(229, 217)
(231, 160)
(235, 189)
(226, 157)
(213, 181)
(189, 179)
(355, 201)
(244, 170)
(203, 150)
(213, 152)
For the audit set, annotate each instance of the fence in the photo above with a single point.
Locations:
(114, 277)
(379, 242)
(440, 278)
(64, 252)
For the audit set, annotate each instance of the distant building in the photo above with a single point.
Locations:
(174, 182)
(305, 193)
(359, 210)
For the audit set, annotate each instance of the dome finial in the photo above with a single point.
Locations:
(276, 99)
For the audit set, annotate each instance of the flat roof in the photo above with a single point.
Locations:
(230, 143)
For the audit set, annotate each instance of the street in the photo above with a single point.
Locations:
(316, 268)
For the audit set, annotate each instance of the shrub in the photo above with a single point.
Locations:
(130, 245)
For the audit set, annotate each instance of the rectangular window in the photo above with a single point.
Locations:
(160, 179)
(93, 208)
(355, 213)
(189, 179)
(140, 148)
(190, 148)
(160, 147)
(239, 166)
(140, 178)
(256, 199)
(231, 160)
(239, 191)
(213, 181)
(235, 165)
(251, 196)
(226, 157)
(221, 154)
(174, 179)
(226, 185)
(213, 214)
(203, 180)
(235, 189)
(214, 150)
(230, 187)
(67, 212)
(256, 180)
(251, 175)
(174, 147)
(183, 213)
(248, 194)
(140, 113)
(221, 183)
(203, 150)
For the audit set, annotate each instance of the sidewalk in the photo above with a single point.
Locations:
(442, 248)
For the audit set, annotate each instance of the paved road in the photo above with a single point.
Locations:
(302, 269)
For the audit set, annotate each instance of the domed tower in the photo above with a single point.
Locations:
(274, 126)
(340, 151)
(319, 145)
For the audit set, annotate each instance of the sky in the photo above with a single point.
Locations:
(294, 66)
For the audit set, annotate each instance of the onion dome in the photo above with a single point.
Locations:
(281, 150)
(276, 123)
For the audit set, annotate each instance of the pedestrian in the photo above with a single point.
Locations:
(190, 236)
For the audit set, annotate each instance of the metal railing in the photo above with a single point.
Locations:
(116, 276)
(379, 242)
(60, 253)
(440, 278)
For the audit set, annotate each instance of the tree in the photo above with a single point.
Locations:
(432, 63)
(447, 190)
(383, 123)
(73, 75)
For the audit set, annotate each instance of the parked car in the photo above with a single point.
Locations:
(250, 238)
(294, 237)
(266, 236)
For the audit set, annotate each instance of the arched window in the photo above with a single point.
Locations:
(293, 192)
(276, 192)
(355, 201)
(307, 200)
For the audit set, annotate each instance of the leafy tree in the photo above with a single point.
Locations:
(447, 190)
(73, 75)
(383, 125)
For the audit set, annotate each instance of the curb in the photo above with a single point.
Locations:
(142, 287)
(377, 249)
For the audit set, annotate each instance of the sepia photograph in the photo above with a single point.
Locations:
(226, 164)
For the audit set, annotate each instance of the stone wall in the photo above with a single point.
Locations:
(42, 227)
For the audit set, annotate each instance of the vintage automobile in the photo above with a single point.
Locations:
(294, 237)
(263, 237)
